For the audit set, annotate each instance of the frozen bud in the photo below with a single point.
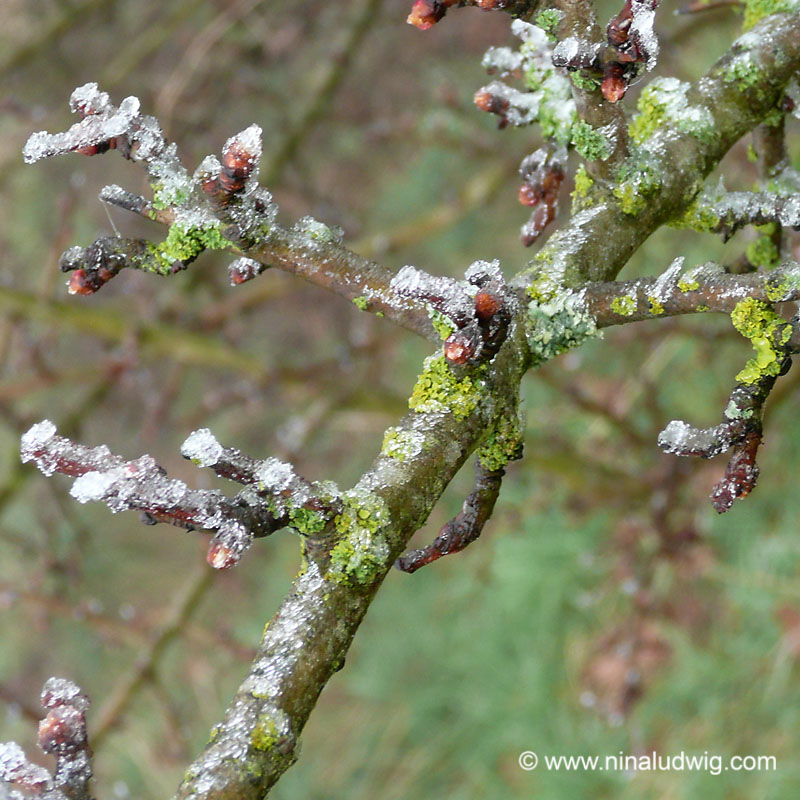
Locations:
(60, 692)
(240, 156)
(490, 103)
(459, 348)
(426, 13)
(63, 730)
(202, 448)
(542, 216)
(228, 545)
(88, 99)
(488, 302)
(528, 195)
(88, 282)
(244, 269)
(614, 84)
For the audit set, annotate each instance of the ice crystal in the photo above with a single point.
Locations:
(202, 448)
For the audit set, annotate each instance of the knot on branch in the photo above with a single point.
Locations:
(472, 316)
(62, 733)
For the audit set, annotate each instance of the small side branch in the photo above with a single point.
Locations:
(706, 288)
(741, 426)
(142, 485)
(62, 734)
(465, 527)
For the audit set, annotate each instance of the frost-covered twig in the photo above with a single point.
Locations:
(426, 13)
(62, 734)
(465, 527)
(705, 288)
(142, 485)
(774, 340)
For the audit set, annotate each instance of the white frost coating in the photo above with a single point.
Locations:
(202, 448)
(548, 88)
(315, 233)
(275, 474)
(89, 97)
(479, 269)
(566, 49)
(502, 59)
(93, 485)
(60, 691)
(793, 92)
(641, 30)
(249, 140)
(14, 767)
(666, 282)
(34, 438)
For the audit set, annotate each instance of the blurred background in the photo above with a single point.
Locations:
(606, 608)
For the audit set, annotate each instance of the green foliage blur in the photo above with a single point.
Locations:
(606, 609)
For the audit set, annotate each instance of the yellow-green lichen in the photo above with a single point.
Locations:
(762, 252)
(702, 307)
(441, 324)
(548, 19)
(169, 198)
(306, 521)
(438, 390)
(361, 302)
(637, 179)
(583, 82)
(781, 287)
(503, 444)
(184, 244)
(756, 10)
(590, 143)
(654, 306)
(698, 216)
(265, 735)
(558, 325)
(625, 305)
(361, 551)
(401, 444)
(687, 284)
(758, 322)
(664, 102)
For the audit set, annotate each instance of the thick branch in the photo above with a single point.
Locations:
(598, 241)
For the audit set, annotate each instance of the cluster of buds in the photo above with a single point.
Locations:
(479, 312)
(221, 182)
(633, 43)
(542, 173)
(62, 734)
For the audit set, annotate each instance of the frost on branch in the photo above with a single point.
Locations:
(220, 194)
(472, 316)
(741, 428)
(273, 497)
(62, 734)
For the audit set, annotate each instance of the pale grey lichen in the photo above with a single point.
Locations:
(558, 324)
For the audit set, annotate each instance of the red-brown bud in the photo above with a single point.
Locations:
(459, 348)
(487, 304)
(528, 195)
(614, 84)
(62, 730)
(219, 556)
(426, 13)
(490, 103)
